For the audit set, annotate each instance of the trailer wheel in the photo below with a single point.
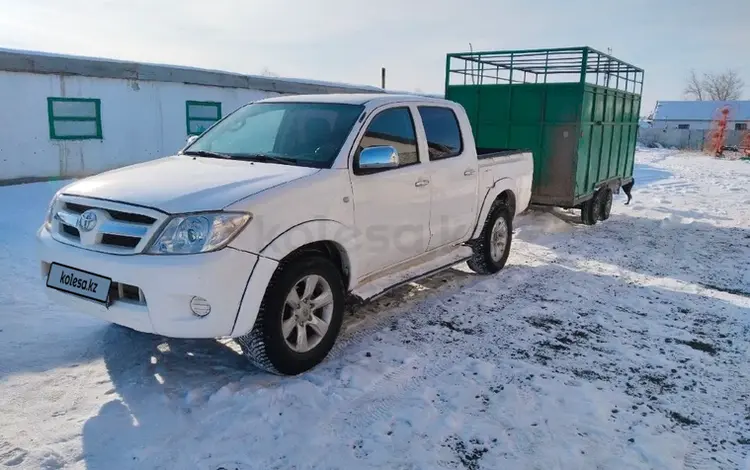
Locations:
(590, 211)
(606, 204)
(492, 248)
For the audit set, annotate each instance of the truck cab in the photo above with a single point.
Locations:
(262, 227)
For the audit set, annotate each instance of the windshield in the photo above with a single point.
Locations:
(303, 134)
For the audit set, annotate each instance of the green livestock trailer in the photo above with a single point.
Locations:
(575, 108)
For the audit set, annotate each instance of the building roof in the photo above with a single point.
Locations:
(700, 110)
(353, 98)
(44, 63)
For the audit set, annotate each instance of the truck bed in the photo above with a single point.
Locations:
(500, 163)
(483, 152)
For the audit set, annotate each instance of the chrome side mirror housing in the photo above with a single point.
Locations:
(378, 158)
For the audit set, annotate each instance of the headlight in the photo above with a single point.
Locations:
(50, 213)
(198, 233)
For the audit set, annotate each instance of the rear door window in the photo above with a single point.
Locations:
(442, 131)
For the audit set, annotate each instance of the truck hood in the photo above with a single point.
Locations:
(184, 183)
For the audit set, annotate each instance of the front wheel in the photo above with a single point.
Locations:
(492, 248)
(299, 318)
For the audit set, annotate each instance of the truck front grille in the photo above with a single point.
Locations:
(116, 215)
(120, 292)
(71, 231)
(120, 240)
(103, 225)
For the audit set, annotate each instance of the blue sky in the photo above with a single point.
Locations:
(348, 41)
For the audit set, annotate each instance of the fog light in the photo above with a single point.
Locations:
(200, 306)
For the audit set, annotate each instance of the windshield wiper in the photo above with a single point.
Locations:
(205, 153)
(262, 157)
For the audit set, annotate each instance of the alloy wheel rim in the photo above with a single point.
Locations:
(307, 313)
(498, 239)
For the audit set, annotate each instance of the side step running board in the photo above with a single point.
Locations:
(372, 291)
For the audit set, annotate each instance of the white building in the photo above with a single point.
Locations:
(700, 115)
(65, 116)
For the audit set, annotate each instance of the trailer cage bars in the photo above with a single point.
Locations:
(561, 65)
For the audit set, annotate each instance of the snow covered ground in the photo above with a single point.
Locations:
(623, 345)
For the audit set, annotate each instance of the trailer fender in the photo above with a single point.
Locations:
(505, 187)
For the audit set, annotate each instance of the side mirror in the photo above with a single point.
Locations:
(378, 158)
(191, 139)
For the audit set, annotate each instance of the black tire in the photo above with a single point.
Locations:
(482, 262)
(590, 210)
(605, 209)
(265, 346)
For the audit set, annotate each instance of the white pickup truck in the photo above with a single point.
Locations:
(262, 227)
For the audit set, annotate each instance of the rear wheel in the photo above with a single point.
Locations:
(492, 248)
(299, 318)
(588, 213)
(591, 210)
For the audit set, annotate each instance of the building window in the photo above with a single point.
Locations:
(201, 115)
(740, 126)
(683, 126)
(74, 118)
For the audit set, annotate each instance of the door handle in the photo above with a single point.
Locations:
(421, 183)
(469, 172)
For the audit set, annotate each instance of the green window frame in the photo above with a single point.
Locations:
(197, 120)
(63, 114)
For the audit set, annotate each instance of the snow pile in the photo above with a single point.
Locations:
(675, 221)
(622, 345)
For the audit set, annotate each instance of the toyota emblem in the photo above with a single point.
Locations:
(87, 221)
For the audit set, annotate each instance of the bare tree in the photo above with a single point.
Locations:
(694, 87)
(725, 86)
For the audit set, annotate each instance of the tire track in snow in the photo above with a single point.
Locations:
(377, 402)
(374, 404)
(369, 318)
(695, 459)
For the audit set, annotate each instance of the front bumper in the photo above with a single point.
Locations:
(168, 283)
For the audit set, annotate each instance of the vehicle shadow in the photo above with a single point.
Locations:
(158, 380)
(153, 378)
(163, 406)
(696, 252)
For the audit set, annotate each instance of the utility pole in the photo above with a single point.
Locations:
(471, 50)
(382, 78)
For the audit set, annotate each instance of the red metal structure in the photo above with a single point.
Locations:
(718, 134)
(745, 144)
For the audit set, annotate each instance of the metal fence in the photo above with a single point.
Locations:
(693, 139)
